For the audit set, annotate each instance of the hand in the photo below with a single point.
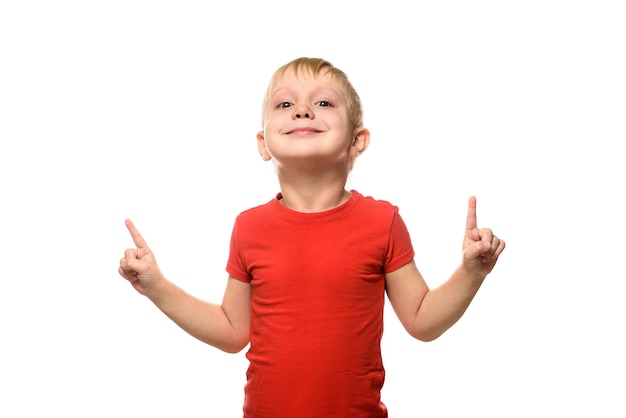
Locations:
(139, 265)
(481, 248)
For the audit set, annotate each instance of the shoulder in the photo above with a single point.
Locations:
(378, 205)
(257, 210)
(255, 215)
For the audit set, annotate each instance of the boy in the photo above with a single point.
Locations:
(308, 270)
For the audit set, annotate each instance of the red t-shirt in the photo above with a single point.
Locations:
(318, 284)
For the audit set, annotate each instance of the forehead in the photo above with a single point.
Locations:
(296, 78)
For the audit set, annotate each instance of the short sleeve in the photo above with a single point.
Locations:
(400, 249)
(236, 265)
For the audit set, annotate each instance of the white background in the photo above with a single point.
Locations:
(148, 110)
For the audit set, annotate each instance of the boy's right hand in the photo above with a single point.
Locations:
(139, 265)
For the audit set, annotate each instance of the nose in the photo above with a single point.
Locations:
(302, 110)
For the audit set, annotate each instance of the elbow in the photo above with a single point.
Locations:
(232, 343)
(426, 338)
(234, 348)
(425, 335)
(235, 344)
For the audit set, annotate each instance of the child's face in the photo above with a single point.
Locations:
(306, 119)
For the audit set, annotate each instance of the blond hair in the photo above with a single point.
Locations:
(316, 66)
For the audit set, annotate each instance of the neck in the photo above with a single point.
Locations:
(313, 187)
(311, 198)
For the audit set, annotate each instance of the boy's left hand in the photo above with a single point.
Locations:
(481, 248)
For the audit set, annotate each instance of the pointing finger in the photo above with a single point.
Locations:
(134, 233)
(471, 223)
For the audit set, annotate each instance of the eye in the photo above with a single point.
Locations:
(284, 105)
(324, 103)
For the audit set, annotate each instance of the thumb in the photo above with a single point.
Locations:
(132, 263)
(475, 250)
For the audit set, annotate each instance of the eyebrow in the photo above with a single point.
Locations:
(318, 90)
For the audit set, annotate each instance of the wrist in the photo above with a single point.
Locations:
(159, 290)
(471, 274)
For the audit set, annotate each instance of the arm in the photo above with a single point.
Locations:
(225, 326)
(426, 313)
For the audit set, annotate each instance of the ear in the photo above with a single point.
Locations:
(360, 142)
(260, 139)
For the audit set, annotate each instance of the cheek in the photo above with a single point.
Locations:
(272, 125)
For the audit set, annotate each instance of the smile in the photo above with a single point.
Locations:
(303, 131)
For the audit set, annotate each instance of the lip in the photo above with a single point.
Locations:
(303, 130)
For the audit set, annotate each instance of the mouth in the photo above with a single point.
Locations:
(302, 131)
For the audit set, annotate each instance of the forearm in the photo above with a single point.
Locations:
(444, 305)
(203, 320)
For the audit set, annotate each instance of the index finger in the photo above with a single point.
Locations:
(471, 215)
(137, 238)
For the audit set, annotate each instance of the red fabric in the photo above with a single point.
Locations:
(317, 305)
